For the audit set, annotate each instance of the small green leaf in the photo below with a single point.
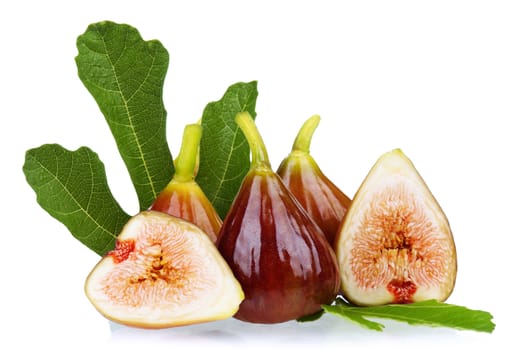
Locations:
(224, 152)
(72, 187)
(356, 317)
(125, 75)
(428, 313)
(312, 317)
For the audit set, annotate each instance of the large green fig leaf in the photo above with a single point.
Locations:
(72, 187)
(427, 313)
(224, 152)
(125, 75)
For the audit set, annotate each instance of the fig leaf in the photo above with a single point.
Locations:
(224, 152)
(426, 313)
(313, 317)
(125, 75)
(72, 187)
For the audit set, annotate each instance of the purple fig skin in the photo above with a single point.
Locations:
(279, 255)
(187, 201)
(320, 197)
(182, 197)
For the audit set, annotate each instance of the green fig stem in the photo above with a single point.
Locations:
(185, 162)
(260, 159)
(304, 136)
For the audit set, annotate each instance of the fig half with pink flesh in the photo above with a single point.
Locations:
(395, 244)
(164, 272)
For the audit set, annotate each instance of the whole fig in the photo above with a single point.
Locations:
(183, 197)
(279, 255)
(320, 197)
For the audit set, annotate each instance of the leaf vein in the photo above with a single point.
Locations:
(130, 117)
(54, 177)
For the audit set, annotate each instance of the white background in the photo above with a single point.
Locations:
(446, 81)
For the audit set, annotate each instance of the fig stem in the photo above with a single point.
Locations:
(185, 162)
(305, 134)
(256, 144)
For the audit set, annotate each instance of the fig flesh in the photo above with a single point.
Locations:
(285, 265)
(183, 197)
(320, 197)
(164, 272)
(395, 244)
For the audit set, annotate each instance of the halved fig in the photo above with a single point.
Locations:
(395, 244)
(164, 272)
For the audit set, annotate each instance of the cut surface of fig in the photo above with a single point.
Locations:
(163, 272)
(395, 244)
(315, 192)
(285, 265)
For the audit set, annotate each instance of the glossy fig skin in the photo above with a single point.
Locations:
(281, 258)
(320, 197)
(182, 197)
(186, 200)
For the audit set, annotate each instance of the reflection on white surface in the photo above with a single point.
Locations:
(326, 331)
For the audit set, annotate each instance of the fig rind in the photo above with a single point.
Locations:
(174, 276)
(395, 244)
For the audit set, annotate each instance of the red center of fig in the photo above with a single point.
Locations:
(122, 250)
(158, 270)
(397, 241)
(402, 291)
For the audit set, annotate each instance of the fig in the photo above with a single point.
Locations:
(280, 256)
(395, 244)
(163, 272)
(321, 198)
(183, 197)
